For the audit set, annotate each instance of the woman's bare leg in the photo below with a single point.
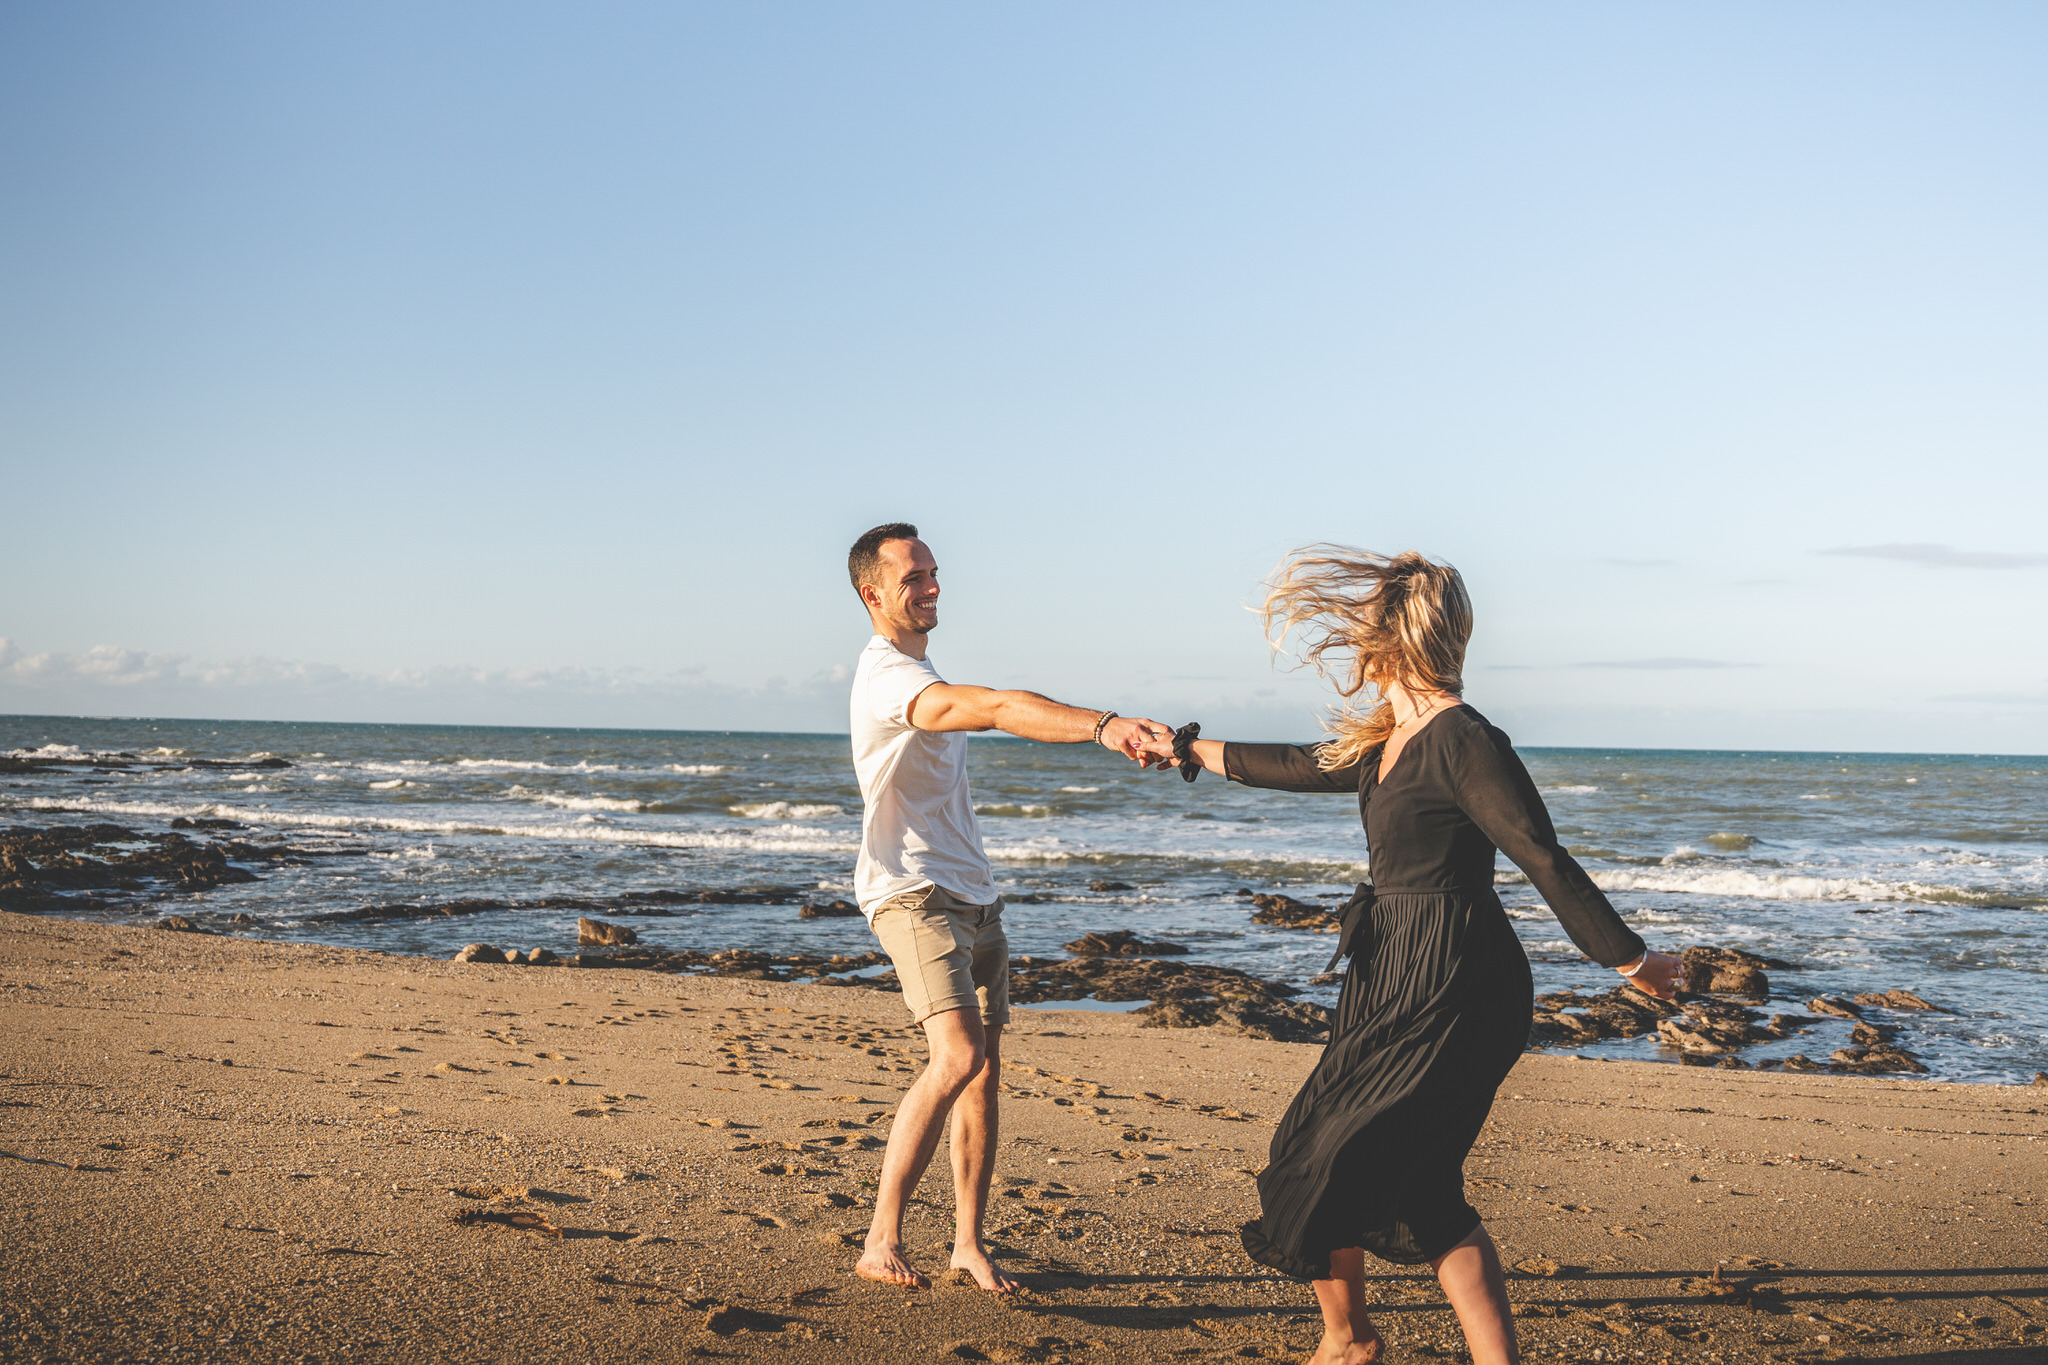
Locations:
(1478, 1290)
(1349, 1338)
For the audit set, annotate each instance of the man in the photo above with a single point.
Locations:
(925, 885)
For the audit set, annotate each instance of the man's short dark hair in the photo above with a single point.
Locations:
(866, 555)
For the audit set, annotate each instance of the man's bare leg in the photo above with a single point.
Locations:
(1349, 1338)
(974, 1163)
(1477, 1287)
(955, 1039)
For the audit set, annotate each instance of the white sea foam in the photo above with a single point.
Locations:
(784, 810)
(1085, 790)
(392, 785)
(325, 777)
(799, 839)
(1770, 886)
(619, 803)
(522, 765)
(422, 852)
(1011, 809)
(699, 769)
(62, 751)
(1574, 791)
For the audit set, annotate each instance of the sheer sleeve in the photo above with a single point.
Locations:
(1495, 790)
(1288, 768)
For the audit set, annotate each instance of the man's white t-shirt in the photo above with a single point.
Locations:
(919, 827)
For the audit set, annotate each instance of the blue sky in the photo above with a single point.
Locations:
(517, 363)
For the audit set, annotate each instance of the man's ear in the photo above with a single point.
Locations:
(870, 596)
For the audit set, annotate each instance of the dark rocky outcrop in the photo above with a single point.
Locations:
(1289, 913)
(1183, 994)
(1570, 1018)
(596, 933)
(1121, 943)
(40, 868)
(1874, 1060)
(1111, 886)
(816, 968)
(1727, 971)
(1899, 1000)
(636, 904)
(840, 909)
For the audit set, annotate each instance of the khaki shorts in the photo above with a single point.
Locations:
(950, 954)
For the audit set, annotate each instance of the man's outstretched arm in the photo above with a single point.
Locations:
(954, 706)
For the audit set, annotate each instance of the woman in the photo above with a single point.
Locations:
(1436, 1005)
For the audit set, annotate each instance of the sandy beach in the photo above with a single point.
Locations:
(219, 1149)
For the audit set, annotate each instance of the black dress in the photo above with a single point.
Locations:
(1436, 1005)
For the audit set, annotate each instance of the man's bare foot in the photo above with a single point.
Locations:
(886, 1263)
(986, 1273)
(1359, 1350)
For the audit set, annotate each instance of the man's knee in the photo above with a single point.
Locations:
(958, 1049)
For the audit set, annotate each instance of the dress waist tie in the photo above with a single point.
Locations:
(1356, 914)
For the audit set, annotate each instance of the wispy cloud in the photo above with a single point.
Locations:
(1940, 556)
(1662, 663)
(1998, 698)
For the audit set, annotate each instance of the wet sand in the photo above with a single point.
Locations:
(219, 1149)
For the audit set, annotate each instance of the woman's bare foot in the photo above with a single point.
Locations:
(1361, 1350)
(885, 1262)
(975, 1262)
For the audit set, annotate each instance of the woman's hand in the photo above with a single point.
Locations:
(1157, 748)
(1653, 974)
(1135, 736)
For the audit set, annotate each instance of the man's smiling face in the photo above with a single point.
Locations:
(908, 586)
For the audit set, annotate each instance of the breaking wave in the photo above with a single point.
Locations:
(784, 810)
(783, 840)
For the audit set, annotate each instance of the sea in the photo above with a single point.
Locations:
(1866, 872)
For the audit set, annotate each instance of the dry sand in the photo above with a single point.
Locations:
(219, 1149)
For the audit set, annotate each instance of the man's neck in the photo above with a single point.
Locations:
(911, 642)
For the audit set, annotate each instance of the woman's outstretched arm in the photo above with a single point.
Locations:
(1276, 767)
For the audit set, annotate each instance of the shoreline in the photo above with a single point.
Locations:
(227, 1149)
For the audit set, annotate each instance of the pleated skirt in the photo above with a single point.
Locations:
(1434, 1011)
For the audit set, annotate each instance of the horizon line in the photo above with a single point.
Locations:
(998, 736)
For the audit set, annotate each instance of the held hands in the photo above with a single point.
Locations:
(1655, 976)
(1139, 740)
(1157, 749)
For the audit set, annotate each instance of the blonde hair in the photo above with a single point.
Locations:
(1367, 619)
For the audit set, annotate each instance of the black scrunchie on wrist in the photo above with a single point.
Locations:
(1184, 749)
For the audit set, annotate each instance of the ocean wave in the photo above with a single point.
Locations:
(618, 803)
(1782, 887)
(699, 769)
(525, 765)
(801, 839)
(387, 786)
(784, 810)
(1085, 790)
(1572, 791)
(58, 752)
(1011, 809)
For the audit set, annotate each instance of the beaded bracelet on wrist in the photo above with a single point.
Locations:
(1105, 718)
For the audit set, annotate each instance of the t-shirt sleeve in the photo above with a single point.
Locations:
(895, 684)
